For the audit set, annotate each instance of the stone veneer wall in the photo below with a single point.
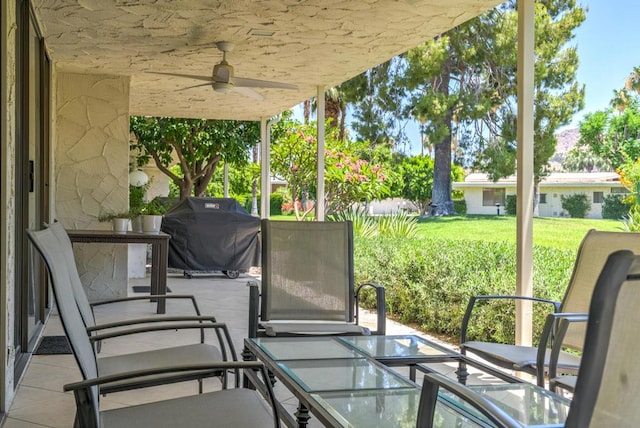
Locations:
(7, 199)
(91, 152)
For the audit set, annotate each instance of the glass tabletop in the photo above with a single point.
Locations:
(303, 348)
(527, 403)
(396, 408)
(343, 375)
(397, 347)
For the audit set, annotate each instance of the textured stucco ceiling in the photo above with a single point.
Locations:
(314, 42)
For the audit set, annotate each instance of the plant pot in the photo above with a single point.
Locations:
(120, 225)
(151, 224)
(136, 224)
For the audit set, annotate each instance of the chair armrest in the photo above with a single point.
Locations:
(212, 367)
(147, 297)
(381, 306)
(555, 329)
(429, 397)
(221, 330)
(151, 320)
(474, 299)
(254, 308)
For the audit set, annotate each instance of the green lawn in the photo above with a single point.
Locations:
(564, 233)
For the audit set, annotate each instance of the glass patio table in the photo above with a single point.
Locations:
(344, 385)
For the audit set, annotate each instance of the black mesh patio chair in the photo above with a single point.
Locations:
(592, 255)
(227, 407)
(307, 282)
(58, 257)
(605, 392)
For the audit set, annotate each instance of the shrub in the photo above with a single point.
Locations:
(275, 203)
(511, 204)
(577, 205)
(429, 281)
(614, 207)
(460, 206)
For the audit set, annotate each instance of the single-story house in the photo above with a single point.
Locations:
(483, 195)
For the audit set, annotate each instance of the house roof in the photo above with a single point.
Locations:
(556, 179)
(314, 42)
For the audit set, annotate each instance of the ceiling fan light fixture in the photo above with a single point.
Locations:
(222, 87)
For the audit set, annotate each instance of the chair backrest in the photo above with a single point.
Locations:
(48, 245)
(307, 271)
(592, 255)
(606, 393)
(66, 248)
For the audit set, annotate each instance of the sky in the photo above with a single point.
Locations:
(608, 47)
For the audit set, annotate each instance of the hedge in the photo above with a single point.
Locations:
(429, 281)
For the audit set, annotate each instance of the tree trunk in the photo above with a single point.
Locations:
(332, 111)
(441, 203)
(307, 111)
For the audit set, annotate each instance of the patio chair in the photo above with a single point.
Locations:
(592, 255)
(228, 407)
(605, 393)
(61, 266)
(308, 282)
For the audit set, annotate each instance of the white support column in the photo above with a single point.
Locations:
(225, 185)
(265, 166)
(320, 185)
(525, 184)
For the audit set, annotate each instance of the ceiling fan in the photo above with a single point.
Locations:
(224, 81)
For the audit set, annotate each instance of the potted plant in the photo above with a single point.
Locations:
(119, 220)
(152, 213)
(136, 205)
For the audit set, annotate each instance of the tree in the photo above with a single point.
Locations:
(349, 178)
(614, 133)
(463, 85)
(417, 181)
(197, 145)
(580, 160)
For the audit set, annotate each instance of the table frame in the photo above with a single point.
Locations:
(159, 253)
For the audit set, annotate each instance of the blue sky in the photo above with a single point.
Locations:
(609, 47)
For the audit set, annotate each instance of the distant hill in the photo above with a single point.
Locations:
(567, 139)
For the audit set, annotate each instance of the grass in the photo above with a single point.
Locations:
(562, 233)
(553, 232)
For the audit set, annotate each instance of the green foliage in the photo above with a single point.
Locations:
(460, 205)
(417, 181)
(109, 215)
(349, 177)
(275, 203)
(614, 207)
(397, 225)
(631, 221)
(577, 205)
(156, 206)
(198, 145)
(511, 204)
(429, 281)
(136, 199)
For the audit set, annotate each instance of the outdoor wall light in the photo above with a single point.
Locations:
(138, 178)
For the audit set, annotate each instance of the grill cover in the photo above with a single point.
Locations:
(210, 234)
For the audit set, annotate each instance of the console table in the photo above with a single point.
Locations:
(159, 253)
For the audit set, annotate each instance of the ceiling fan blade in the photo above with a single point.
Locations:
(249, 93)
(254, 83)
(188, 76)
(194, 86)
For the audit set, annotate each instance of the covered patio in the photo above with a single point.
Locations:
(74, 72)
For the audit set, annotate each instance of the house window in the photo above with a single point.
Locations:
(491, 197)
(619, 190)
(543, 198)
(598, 197)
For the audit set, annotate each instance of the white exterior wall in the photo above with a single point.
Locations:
(91, 152)
(553, 206)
